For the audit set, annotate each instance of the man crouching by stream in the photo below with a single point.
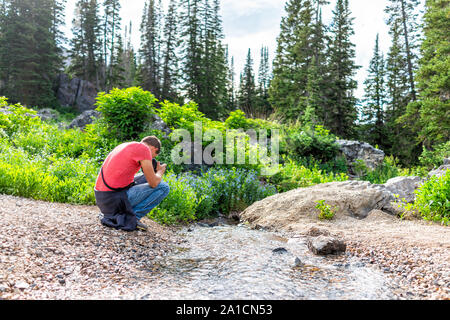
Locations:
(123, 198)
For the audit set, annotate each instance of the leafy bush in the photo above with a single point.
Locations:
(51, 179)
(125, 112)
(293, 175)
(433, 158)
(325, 211)
(237, 120)
(304, 142)
(432, 201)
(390, 168)
(176, 116)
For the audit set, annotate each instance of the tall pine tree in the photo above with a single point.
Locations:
(86, 55)
(374, 102)
(111, 33)
(29, 53)
(433, 105)
(403, 16)
(341, 113)
(150, 51)
(170, 63)
(288, 89)
(247, 89)
(203, 56)
(401, 69)
(263, 107)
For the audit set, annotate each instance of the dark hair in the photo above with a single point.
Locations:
(152, 141)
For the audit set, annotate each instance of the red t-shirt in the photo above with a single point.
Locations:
(122, 164)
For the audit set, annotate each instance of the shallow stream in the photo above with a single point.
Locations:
(237, 262)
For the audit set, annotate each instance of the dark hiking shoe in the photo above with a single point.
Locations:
(141, 226)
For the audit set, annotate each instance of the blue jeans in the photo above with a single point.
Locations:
(144, 198)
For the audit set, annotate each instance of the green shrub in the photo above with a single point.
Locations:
(304, 142)
(293, 175)
(237, 120)
(390, 168)
(433, 199)
(50, 179)
(325, 210)
(181, 117)
(17, 118)
(433, 158)
(179, 205)
(125, 112)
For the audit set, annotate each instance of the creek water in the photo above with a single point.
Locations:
(237, 262)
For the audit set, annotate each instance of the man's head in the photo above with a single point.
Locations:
(153, 143)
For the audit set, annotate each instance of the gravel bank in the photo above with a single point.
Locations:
(60, 251)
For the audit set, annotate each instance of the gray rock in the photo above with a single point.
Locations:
(356, 150)
(324, 245)
(158, 124)
(446, 161)
(279, 250)
(315, 232)
(48, 114)
(404, 187)
(22, 285)
(76, 93)
(439, 172)
(84, 119)
(298, 262)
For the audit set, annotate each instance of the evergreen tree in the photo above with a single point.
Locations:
(317, 86)
(401, 68)
(129, 59)
(204, 61)
(150, 51)
(288, 89)
(230, 104)
(116, 76)
(111, 31)
(214, 66)
(372, 113)
(402, 16)
(433, 105)
(341, 113)
(170, 74)
(86, 54)
(192, 50)
(400, 140)
(247, 89)
(29, 54)
(263, 106)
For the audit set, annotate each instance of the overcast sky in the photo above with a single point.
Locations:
(255, 23)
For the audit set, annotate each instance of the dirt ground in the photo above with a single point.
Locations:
(60, 251)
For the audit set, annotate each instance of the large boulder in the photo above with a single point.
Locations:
(76, 93)
(349, 199)
(356, 150)
(84, 119)
(404, 187)
(47, 114)
(324, 245)
(158, 124)
(441, 170)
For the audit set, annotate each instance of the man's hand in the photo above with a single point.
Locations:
(161, 168)
(153, 178)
